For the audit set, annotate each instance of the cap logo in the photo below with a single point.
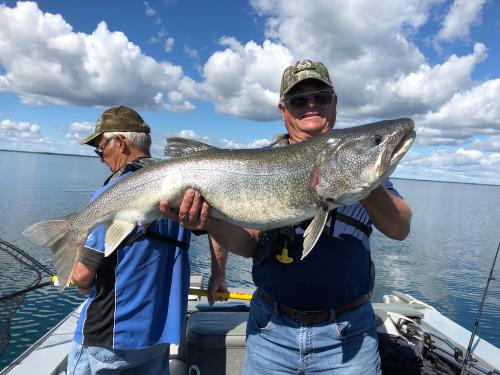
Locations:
(303, 65)
(302, 70)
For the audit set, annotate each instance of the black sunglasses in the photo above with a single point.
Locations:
(99, 150)
(299, 101)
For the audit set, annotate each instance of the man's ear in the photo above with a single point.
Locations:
(334, 108)
(282, 110)
(122, 144)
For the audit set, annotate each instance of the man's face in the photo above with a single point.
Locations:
(313, 118)
(110, 151)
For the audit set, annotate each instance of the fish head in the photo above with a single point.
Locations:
(356, 160)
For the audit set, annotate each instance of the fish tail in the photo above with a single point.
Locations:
(46, 233)
(57, 235)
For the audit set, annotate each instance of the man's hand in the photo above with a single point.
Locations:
(83, 277)
(85, 291)
(193, 210)
(216, 284)
(194, 213)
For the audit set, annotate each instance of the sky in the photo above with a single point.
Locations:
(211, 70)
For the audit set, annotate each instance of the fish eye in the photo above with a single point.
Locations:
(377, 139)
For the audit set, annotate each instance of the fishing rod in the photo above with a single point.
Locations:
(478, 317)
(197, 292)
(228, 295)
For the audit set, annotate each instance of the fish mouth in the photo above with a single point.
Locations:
(403, 147)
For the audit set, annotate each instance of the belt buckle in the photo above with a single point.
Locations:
(306, 317)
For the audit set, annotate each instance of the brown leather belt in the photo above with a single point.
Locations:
(311, 317)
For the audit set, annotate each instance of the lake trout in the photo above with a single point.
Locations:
(253, 188)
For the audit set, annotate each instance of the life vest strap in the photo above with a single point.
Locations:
(355, 223)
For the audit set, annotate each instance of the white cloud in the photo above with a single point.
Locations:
(376, 68)
(222, 143)
(177, 102)
(461, 165)
(243, 80)
(470, 113)
(363, 44)
(490, 144)
(256, 143)
(169, 44)
(19, 133)
(191, 52)
(44, 61)
(157, 38)
(82, 127)
(426, 88)
(79, 130)
(462, 15)
(151, 12)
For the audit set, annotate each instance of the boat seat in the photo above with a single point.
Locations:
(216, 342)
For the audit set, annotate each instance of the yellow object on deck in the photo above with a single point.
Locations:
(228, 295)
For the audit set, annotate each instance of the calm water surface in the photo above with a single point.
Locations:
(444, 262)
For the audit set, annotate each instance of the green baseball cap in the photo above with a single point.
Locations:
(302, 70)
(117, 119)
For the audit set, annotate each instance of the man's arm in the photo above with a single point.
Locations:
(83, 277)
(389, 213)
(194, 214)
(217, 281)
(85, 270)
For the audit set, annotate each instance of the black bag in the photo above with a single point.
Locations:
(400, 357)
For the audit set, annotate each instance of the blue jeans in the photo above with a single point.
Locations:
(276, 344)
(90, 360)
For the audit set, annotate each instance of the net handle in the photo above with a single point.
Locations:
(24, 291)
(17, 251)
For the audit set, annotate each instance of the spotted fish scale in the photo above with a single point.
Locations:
(255, 188)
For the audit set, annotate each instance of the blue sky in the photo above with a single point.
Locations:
(211, 71)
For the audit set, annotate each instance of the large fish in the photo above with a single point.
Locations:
(254, 188)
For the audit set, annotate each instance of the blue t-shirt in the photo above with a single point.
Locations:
(336, 272)
(139, 298)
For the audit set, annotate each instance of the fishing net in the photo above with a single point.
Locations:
(19, 274)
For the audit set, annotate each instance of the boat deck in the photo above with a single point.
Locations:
(215, 337)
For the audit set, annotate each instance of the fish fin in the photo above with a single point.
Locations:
(46, 233)
(177, 147)
(65, 250)
(313, 231)
(116, 232)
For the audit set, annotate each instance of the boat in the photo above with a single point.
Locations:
(214, 340)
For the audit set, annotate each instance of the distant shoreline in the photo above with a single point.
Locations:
(49, 153)
(393, 178)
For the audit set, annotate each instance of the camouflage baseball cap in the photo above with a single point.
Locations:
(302, 70)
(117, 119)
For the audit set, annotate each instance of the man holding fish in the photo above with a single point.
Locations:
(256, 198)
(311, 313)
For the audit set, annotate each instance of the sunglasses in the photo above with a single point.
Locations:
(300, 101)
(99, 150)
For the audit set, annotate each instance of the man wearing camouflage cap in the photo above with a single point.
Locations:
(314, 315)
(138, 294)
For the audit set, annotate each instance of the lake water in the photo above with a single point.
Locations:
(444, 262)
